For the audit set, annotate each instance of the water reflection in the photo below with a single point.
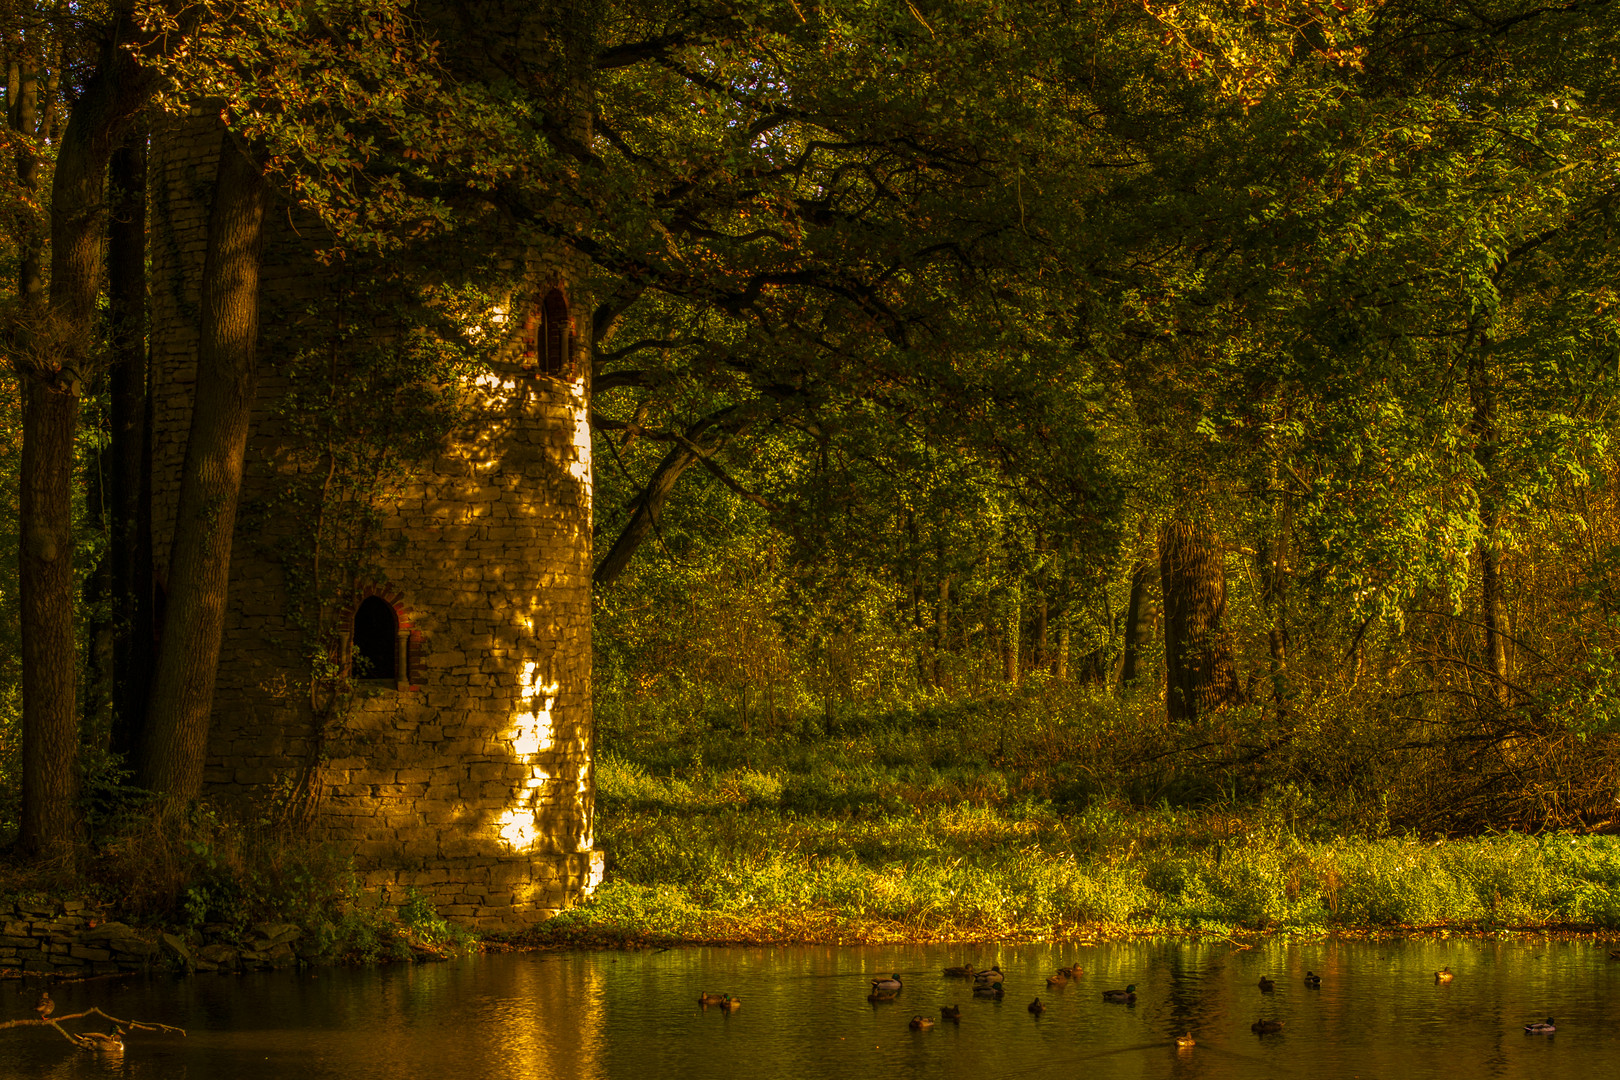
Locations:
(1378, 1012)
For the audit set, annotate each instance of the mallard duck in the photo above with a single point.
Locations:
(1073, 972)
(963, 972)
(1266, 1027)
(1036, 1007)
(1059, 979)
(45, 1006)
(1541, 1027)
(1267, 985)
(994, 975)
(951, 1012)
(1186, 1042)
(1312, 979)
(731, 1004)
(989, 990)
(1121, 997)
(100, 1043)
(921, 1023)
(706, 998)
(1443, 975)
(886, 986)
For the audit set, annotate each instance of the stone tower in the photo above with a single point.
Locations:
(448, 747)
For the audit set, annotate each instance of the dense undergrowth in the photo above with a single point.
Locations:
(199, 871)
(1047, 816)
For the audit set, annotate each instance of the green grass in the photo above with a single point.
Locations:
(921, 828)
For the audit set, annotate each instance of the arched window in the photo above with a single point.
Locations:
(374, 645)
(553, 339)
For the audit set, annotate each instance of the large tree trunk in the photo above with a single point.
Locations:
(131, 452)
(172, 753)
(50, 733)
(53, 358)
(1199, 676)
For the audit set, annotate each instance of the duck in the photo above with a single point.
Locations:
(964, 971)
(1121, 997)
(1443, 975)
(1541, 1027)
(951, 1012)
(1186, 1042)
(921, 1023)
(1266, 1027)
(1267, 985)
(1060, 979)
(1072, 972)
(1313, 979)
(994, 975)
(890, 985)
(731, 1004)
(989, 990)
(706, 998)
(1036, 1007)
(102, 1044)
(45, 1006)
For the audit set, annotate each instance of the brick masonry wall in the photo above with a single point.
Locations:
(474, 786)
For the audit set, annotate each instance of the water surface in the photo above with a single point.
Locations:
(1379, 1013)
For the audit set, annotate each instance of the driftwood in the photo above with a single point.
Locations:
(94, 1040)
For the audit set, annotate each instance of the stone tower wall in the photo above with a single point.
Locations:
(474, 785)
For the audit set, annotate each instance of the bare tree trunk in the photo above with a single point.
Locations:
(1131, 660)
(941, 628)
(171, 757)
(131, 452)
(1199, 676)
(1061, 671)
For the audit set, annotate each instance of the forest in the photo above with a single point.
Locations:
(1055, 463)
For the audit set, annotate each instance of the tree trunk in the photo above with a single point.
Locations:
(131, 451)
(50, 731)
(1015, 633)
(1199, 676)
(1131, 660)
(941, 629)
(171, 757)
(50, 735)
(53, 357)
(1482, 396)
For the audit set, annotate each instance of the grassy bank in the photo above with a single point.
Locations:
(994, 825)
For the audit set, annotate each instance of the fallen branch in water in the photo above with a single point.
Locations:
(94, 1040)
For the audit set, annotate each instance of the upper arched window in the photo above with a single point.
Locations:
(376, 633)
(549, 349)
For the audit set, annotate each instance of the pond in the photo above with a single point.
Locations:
(1378, 1013)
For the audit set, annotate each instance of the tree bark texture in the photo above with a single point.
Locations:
(1199, 675)
(172, 753)
(1015, 635)
(50, 735)
(53, 356)
(131, 452)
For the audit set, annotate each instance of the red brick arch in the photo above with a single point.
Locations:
(394, 597)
